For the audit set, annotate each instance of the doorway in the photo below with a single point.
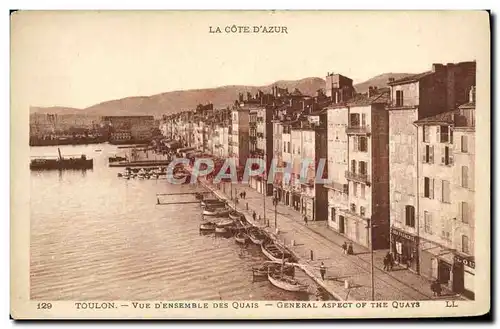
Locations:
(444, 272)
(341, 224)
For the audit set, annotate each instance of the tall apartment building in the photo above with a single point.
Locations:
(446, 197)
(426, 95)
(358, 162)
(239, 139)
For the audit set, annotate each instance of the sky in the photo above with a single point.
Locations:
(78, 59)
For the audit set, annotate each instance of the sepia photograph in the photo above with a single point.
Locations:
(250, 164)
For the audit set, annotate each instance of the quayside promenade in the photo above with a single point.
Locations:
(325, 244)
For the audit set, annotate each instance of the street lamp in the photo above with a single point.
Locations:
(370, 232)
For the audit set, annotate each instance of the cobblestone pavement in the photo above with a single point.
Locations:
(325, 246)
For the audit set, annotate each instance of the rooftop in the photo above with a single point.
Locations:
(411, 78)
(445, 117)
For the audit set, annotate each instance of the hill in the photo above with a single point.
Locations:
(175, 101)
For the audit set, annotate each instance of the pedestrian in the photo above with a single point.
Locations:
(436, 288)
(344, 247)
(254, 215)
(386, 263)
(244, 194)
(350, 249)
(391, 261)
(322, 271)
(305, 220)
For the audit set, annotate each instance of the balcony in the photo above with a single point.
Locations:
(357, 177)
(358, 130)
(342, 188)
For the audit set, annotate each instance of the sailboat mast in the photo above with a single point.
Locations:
(59, 151)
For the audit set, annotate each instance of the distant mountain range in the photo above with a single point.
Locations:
(176, 101)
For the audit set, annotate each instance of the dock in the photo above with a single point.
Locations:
(144, 163)
(300, 264)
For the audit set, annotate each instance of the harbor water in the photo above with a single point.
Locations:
(95, 236)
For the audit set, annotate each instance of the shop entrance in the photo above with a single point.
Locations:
(458, 278)
(444, 272)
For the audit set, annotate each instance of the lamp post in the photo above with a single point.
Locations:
(370, 232)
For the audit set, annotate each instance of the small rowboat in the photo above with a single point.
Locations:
(207, 226)
(225, 222)
(264, 269)
(216, 212)
(213, 203)
(220, 229)
(275, 253)
(235, 215)
(241, 238)
(256, 236)
(285, 282)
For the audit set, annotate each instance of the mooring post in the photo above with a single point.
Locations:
(312, 255)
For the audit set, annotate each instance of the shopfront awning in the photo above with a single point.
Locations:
(437, 250)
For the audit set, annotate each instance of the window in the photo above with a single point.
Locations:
(428, 188)
(354, 120)
(446, 228)
(426, 134)
(363, 120)
(353, 166)
(362, 211)
(355, 189)
(288, 147)
(465, 244)
(410, 216)
(363, 144)
(427, 222)
(463, 144)
(464, 212)
(362, 167)
(442, 134)
(332, 215)
(353, 207)
(446, 158)
(428, 156)
(445, 191)
(399, 98)
(465, 176)
(362, 191)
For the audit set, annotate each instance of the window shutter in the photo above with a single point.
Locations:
(450, 158)
(438, 139)
(431, 187)
(431, 154)
(442, 155)
(355, 138)
(465, 212)
(424, 154)
(459, 216)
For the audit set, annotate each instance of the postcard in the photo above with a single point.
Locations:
(250, 164)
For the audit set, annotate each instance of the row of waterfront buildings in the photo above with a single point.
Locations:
(400, 161)
(116, 129)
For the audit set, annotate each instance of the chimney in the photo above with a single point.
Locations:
(472, 94)
(437, 67)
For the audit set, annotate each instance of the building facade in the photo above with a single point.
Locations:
(432, 95)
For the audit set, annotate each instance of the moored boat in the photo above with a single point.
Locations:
(285, 282)
(208, 226)
(221, 212)
(235, 215)
(264, 269)
(213, 203)
(241, 238)
(225, 222)
(256, 236)
(275, 253)
(220, 229)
